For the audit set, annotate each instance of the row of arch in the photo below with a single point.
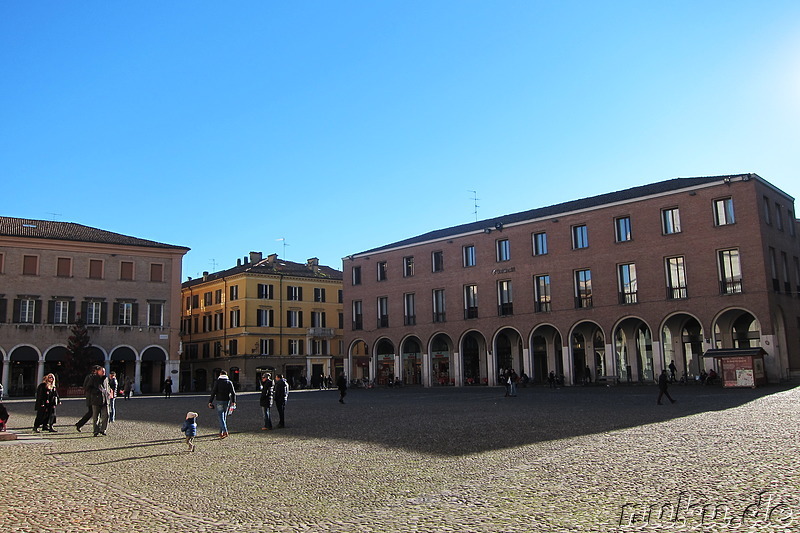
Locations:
(630, 353)
(25, 365)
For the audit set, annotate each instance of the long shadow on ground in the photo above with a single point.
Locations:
(445, 421)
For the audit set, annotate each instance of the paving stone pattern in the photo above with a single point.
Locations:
(418, 460)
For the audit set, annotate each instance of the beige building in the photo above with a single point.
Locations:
(126, 289)
(264, 314)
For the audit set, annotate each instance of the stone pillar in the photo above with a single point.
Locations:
(491, 361)
(456, 374)
(39, 372)
(6, 370)
(137, 377)
(426, 369)
(566, 355)
(527, 362)
(173, 364)
(611, 361)
(658, 359)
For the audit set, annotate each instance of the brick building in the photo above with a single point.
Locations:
(126, 289)
(264, 314)
(611, 287)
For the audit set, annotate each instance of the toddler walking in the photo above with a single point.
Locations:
(189, 429)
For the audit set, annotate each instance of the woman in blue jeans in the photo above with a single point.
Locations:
(223, 397)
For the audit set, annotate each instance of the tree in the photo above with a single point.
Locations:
(78, 356)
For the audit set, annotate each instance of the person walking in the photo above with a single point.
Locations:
(672, 370)
(168, 387)
(265, 400)
(113, 387)
(281, 397)
(126, 392)
(46, 402)
(88, 415)
(223, 398)
(663, 382)
(99, 394)
(341, 384)
(189, 428)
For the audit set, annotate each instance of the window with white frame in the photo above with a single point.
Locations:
(94, 313)
(319, 294)
(676, 278)
(505, 301)
(356, 275)
(628, 286)
(266, 346)
(294, 293)
(383, 312)
(622, 228)
(318, 319)
(470, 301)
(382, 274)
(540, 243)
(294, 318)
(670, 221)
(469, 255)
(296, 347)
(730, 271)
(437, 261)
(439, 306)
(778, 216)
(408, 266)
(409, 309)
(358, 315)
(580, 237)
(235, 316)
(234, 292)
(583, 289)
(723, 212)
(541, 293)
(767, 213)
(264, 318)
(125, 314)
(265, 291)
(503, 250)
(60, 312)
(27, 311)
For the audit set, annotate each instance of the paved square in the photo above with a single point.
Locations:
(467, 459)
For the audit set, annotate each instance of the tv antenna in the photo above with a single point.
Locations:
(475, 205)
(284, 245)
(213, 264)
(55, 216)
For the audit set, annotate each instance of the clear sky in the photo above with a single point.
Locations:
(345, 125)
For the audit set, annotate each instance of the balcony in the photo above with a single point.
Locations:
(323, 333)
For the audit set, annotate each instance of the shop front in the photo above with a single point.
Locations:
(440, 362)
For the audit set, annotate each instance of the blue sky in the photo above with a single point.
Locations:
(344, 125)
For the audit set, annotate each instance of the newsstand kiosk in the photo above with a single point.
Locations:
(740, 367)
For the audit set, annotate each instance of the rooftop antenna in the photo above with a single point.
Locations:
(284, 245)
(55, 216)
(213, 264)
(475, 205)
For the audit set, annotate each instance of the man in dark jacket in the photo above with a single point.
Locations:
(223, 397)
(98, 394)
(281, 396)
(341, 384)
(663, 380)
(266, 399)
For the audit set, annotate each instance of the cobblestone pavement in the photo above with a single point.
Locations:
(418, 460)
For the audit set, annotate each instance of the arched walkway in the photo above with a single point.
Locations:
(473, 357)
(633, 347)
(384, 362)
(411, 361)
(441, 360)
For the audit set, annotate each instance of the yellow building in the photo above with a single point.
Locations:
(264, 314)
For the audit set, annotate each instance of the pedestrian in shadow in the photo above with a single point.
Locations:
(281, 397)
(341, 384)
(266, 398)
(663, 382)
(223, 398)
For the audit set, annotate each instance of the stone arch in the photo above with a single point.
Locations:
(385, 368)
(682, 341)
(358, 354)
(411, 360)
(546, 352)
(587, 345)
(508, 349)
(474, 358)
(441, 354)
(633, 350)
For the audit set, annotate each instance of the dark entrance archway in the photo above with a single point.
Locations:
(441, 353)
(24, 363)
(473, 354)
(411, 350)
(154, 362)
(384, 362)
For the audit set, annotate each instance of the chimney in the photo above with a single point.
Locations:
(246, 260)
(205, 275)
(313, 264)
(255, 257)
(271, 258)
(238, 262)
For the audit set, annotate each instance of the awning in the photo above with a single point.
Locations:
(735, 352)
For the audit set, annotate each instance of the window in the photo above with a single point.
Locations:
(583, 289)
(778, 217)
(797, 277)
(267, 346)
(670, 221)
(235, 316)
(580, 237)
(265, 291)
(541, 293)
(437, 261)
(126, 270)
(319, 294)
(622, 227)
(294, 319)
(383, 312)
(676, 278)
(767, 214)
(628, 288)
(233, 347)
(469, 255)
(408, 266)
(195, 301)
(409, 309)
(787, 286)
(358, 315)
(319, 347)
(264, 318)
(790, 217)
(95, 269)
(64, 267)
(30, 265)
(503, 250)
(341, 320)
(505, 305)
(295, 346)
(540, 243)
(730, 272)
(776, 285)
(381, 270)
(27, 311)
(60, 312)
(2, 263)
(356, 275)
(155, 315)
(341, 296)
(723, 212)
(218, 296)
(219, 321)
(156, 272)
(234, 292)
(318, 319)
(470, 301)
(93, 313)
(294, 294)
(125, 313)
(438, 306)
(207, 298)
(207, 322)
